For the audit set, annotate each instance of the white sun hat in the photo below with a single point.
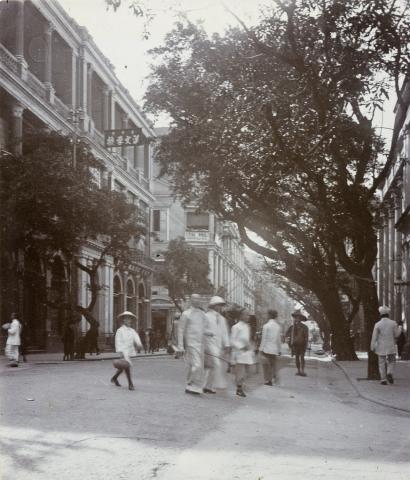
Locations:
(216, 301)
(383, 310)
(126, 314)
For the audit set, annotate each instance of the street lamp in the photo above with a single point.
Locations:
(75, 117)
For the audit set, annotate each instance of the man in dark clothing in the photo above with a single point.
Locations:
(298, 337)
(69, 341)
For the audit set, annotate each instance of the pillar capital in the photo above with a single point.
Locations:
(48, 28)
(17, 110)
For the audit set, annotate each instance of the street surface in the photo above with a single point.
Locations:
(67, 422)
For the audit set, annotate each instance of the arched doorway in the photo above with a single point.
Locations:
(34, 301)
(118, 300)
(142, 321)
(57, 296)
(131, 300)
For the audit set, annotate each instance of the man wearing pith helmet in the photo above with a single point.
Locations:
(216, 343)
(383, 343)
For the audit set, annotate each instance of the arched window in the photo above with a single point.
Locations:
(142, 320)
(118, 299)
(131, 300)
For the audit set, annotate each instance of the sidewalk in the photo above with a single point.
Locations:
(57, 358)
(395, 396)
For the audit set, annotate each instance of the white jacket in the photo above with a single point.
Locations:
(216, 333)
(271, 338)
(126, 339)
(384, 337)
(191, 329)
(14, 330)
(241, 344)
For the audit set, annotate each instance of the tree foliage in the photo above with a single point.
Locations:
(272, 127)
(185, 271)
(48, 207)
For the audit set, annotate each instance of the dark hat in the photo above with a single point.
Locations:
(299, 314)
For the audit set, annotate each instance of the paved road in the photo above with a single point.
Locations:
(78, 426)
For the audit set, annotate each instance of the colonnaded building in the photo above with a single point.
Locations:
(53, 74)
(392, 271)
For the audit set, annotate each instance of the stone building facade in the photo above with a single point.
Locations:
(53, 74)
(392, 271)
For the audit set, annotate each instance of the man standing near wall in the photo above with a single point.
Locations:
(383, 343)
(191, 329)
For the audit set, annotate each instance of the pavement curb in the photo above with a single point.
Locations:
(365, 397)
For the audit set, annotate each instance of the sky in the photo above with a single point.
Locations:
(119, 35)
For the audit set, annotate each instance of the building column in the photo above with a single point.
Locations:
(74, 94)
(106, 109)
(392, 259)
(386, 273)
(90, 72)
(17, 128)
(19, 45)
(380, 260)
(398, 256)
(211, 267)
(147, 153)
(48, 62)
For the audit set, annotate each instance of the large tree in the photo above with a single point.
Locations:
(50, 208)
(185, 271)
(272, 127)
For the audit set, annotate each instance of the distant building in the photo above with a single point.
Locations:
(53, 74)
(229, 274)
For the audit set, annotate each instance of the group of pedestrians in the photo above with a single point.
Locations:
(209, 348)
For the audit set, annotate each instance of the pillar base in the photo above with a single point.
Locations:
(50, 92)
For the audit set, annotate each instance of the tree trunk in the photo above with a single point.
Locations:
(342, 343)
(370, 304)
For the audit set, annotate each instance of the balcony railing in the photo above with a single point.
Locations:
(8, 59)
(140, 257)
(61, 107)
(36, 85)
(197, 236)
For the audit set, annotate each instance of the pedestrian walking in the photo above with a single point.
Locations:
(298, 337)
(23, 340)
(191, 329)
(69, 341)
(401, 340)
(127, 341)
(91, 339)
(216, 344)
(141, 333)
(270, 348)
(13, 340)
(383, 343)
(242, 352)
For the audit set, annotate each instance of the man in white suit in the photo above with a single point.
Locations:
(270, 348)
(383, 343)
(191, 331)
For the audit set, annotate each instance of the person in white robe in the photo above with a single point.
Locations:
(216, 344)
(191, 329)
(242, 352)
